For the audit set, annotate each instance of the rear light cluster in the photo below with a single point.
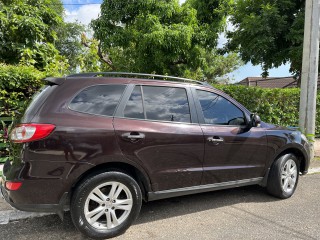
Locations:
(13, 186)
(30, 132)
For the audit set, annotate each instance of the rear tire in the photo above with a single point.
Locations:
(105, 205)
(283, 177)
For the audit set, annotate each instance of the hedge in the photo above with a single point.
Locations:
(17, 85)
(276, 106)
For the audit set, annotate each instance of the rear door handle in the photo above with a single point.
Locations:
(216, 140)
(133, 136)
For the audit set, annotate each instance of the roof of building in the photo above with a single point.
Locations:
(269, 82)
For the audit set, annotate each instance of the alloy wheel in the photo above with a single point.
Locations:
(289, 174)
(108, 205)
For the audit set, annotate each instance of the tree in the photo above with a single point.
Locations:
(268, 33)
(160, 37)
(91, 58)
(69, 43)
(28, 32)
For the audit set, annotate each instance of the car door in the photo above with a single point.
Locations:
(156, 126)
(232, 151)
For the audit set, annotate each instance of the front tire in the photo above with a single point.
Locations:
(105, 205)
(283, 177)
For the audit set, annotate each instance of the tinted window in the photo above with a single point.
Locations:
(134, 108)
(100, 99)
(166, 104)
(37, 101)
(218, 110)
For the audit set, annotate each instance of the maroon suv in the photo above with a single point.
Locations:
(101, 143)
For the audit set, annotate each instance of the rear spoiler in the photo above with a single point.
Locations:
(54, 81)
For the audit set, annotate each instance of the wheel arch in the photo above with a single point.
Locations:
(298, 153)
(302, 158)
(141, 178)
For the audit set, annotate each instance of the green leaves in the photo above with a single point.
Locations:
(17, 84)
(268, 33)
(164, 37)
(27, 31)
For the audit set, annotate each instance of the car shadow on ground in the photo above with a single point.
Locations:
(179, 206)
(41, 228)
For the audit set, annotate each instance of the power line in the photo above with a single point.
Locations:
(78, 4)
(74, 4)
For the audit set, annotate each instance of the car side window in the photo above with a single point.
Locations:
(158, 103)
(98, 99)
(218, 110)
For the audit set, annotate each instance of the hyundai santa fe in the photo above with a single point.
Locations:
(100, 144)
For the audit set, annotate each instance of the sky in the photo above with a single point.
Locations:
(86, 10)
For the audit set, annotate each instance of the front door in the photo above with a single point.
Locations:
(231, 152)
(155, 129)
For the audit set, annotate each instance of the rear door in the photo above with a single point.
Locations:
(232, 152)
(156, 126)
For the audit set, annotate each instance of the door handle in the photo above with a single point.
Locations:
(216, 140)
(133, 136)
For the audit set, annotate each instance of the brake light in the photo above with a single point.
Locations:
(30, 132)
(13, 186)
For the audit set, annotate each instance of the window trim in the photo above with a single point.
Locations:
(200, 112)
(95, 114)
(120, 111)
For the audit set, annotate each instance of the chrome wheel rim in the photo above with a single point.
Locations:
(289, 173)
(108, 205)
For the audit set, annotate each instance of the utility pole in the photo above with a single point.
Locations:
(309, 77)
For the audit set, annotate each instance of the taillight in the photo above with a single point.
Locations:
(30, 132)
(13, 186)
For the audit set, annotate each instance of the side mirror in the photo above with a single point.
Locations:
(254, 120)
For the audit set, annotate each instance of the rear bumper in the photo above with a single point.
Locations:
(54, 208)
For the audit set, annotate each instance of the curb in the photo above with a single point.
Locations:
(314, 170)
(15, 215)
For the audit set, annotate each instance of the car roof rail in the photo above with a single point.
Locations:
(134, 75)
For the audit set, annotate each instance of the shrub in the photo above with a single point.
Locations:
(17, 84)
(276, 106)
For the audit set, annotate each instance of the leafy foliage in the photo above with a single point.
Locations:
(4, 141)
(17, 84)
(27, 31)
(69, 44)
(268, 32)
(161, 37)
(276, 106)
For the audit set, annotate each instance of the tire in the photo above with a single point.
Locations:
(283, 177)
(105, 205)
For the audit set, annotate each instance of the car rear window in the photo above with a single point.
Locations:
(99, 99)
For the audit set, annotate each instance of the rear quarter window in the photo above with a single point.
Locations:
(99, 99)
(37, 101)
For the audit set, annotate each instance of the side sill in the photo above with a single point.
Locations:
(202, 188)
